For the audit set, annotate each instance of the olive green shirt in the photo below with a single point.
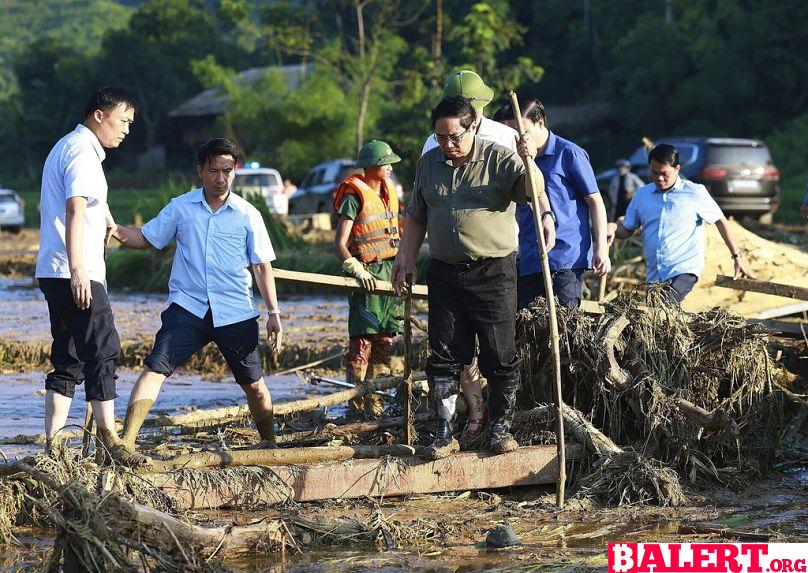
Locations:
(469, 210)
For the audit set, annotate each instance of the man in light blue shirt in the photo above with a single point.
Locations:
(219, 236)
(672, 212)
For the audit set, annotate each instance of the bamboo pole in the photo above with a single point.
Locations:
(530, 168)
(409, 429)
(343, 283)
(205, 417)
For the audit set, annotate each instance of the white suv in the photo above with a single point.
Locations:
(12, 211)
(263, 181)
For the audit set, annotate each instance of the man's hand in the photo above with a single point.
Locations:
(600, 262)
(274, 333)
(401, 272)
(549, 231)
(741, 272)
(80, 287)
(611, 230)
(356, 269)
(526, 146)
(804, 210)
(112, 228)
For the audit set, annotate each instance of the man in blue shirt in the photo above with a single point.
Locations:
(219, 235)
(672, 212)
(577, 208)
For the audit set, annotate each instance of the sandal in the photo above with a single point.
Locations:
(474, 426)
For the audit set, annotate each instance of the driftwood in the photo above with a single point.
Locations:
(336, 431)
(620, 379)
(203, 417)
(776, 289)
(276, 457)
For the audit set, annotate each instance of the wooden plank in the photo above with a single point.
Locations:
(765, 287)
(356, 478)
(342, 283)
(782, 328)
(782, 311)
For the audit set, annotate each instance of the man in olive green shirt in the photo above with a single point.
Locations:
(464, 196)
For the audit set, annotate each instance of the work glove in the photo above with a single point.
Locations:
(356, 269)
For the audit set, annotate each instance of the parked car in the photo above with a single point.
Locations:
(12, 211)
(265, 182)
(319, 186)
(739, 173)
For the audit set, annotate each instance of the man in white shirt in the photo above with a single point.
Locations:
(71, 270)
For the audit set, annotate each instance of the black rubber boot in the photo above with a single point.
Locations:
(502, 409)
(443, 391)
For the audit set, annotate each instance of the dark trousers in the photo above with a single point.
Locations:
(677, 288)
(85, 345)
(478, 299)
(567, 287)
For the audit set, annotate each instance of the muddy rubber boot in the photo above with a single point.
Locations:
(443, 391)
(503, 407)
(135, 416)
(110, 449)
(56, 447)
(266, 429)
(373, 404)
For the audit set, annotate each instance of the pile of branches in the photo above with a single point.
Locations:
(689, 392)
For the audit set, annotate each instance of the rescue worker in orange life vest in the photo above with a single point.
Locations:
(367, 241)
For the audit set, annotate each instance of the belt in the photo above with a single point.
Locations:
(468, 265)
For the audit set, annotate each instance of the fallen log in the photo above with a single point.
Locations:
(765, 287)
(203, 417)
(714, 421)
(336, 431)
(275, 457)
(357, 478)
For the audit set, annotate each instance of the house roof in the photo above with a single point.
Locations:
(213, 102)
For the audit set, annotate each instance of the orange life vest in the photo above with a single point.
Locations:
(375, 233)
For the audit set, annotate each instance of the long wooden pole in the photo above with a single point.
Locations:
(407, 383)
(530, 168)
(343, 283)
(765, 287)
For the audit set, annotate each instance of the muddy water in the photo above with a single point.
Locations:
(22, 407)
(24, 314)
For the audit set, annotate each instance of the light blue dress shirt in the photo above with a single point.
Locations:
(214, 251)
(672, 227)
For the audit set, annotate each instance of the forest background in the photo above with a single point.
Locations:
(658, 67)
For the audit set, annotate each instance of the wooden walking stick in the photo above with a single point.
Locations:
(407, 382)
(530, 168)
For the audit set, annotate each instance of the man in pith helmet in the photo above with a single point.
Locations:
(366, 241)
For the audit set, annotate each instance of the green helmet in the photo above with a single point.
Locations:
(469, 85)
(375, 153)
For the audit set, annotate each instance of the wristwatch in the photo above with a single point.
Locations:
(272, 311)
(552, 216)
(736, 256)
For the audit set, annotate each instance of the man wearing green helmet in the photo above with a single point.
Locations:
(367, 239)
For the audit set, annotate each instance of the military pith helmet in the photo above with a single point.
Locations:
(375, 153)
(469, 85)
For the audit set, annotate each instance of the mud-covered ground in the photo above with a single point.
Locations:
(446, 533)
(437, 532)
